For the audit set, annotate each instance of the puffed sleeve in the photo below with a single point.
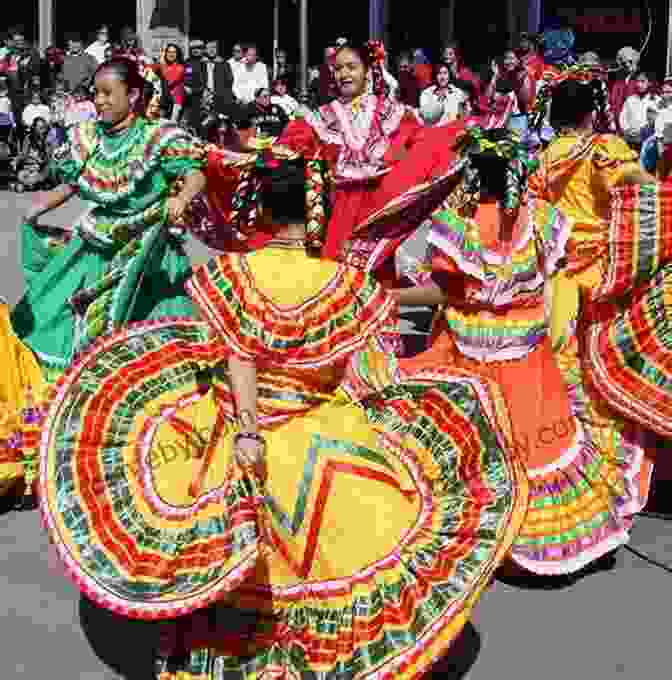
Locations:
(69, 159)
(179, 152)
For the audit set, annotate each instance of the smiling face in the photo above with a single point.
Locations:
(350, 73)
(510, 61)
(171, 54)
(280, 88)
(450, 55)
(642, 84)
(112, 98)
(443, 77)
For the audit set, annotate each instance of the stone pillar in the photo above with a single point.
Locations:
(447, 21)
(45, 23)
(143, 15)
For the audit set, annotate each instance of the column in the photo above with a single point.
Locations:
(303, 45)
(669, 38)
(143, 15)
(376, 19)
(447, 21)
(45, 23)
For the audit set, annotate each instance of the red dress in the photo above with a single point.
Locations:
(173, 74)
(380, 153)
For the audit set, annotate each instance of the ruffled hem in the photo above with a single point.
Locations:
(391, 615)
(639, 241)
(584, 501)
(628, 355)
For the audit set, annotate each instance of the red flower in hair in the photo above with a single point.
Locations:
(376, 51)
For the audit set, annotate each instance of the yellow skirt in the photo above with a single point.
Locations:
(22, 389)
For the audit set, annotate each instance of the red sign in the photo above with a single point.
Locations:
(603, 19)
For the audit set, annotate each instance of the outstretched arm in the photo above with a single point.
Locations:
(423, 296)
(47, 201)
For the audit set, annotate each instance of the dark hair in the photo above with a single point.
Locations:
(492, 173)
(438, 67)
(178, 49)
(249, 46)
(73, 37)
(466, 86)
(504, 86)
(283, 191)
(127, 72)
(641, 74)
(572, 102)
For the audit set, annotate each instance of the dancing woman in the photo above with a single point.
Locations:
(121, 262)
(343, 515)
(614, 291)
(495, 252)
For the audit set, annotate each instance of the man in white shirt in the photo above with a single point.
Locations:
(634, 117)
(236, 60)
(252, 76)
(102, 42)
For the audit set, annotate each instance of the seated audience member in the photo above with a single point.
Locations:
(32, 162)
(36, 108)
(282, 98)
(80, 108)
(268, 119)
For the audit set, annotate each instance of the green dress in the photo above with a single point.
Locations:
(121, 262)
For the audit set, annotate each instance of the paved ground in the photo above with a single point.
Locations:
(608, 626)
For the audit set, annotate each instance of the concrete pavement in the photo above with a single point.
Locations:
(608, 626)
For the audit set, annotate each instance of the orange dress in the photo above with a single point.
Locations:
(583, 467)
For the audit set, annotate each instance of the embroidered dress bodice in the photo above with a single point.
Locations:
(362, 130)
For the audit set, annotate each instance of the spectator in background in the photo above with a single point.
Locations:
(453, 57)
(252, 76)
(529, 53)
(97, 48)
(511, 69)
(424, 73)
(7, 119)
(633, 119)
(32, 162)
(52, 66)
(36, 108)
(267, 119)
(623, 86)
(326, 86)
(78, 66)
(409, 91)
(58, 104)
(284, 71)
(590, 59)
(235, 61)
(194, 84)
(218, 78)
(28, 61)
(79, 108)
(173, 72)
(282, 98)
(441, 102)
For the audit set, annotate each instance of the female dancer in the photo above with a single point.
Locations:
(382, 160)
(345, 515)
(614, 285)
(494, 248)
(120, 262)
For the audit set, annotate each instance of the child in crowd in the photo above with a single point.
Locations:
(32, 163)
(80, 108)
(282, 98)
(36, 108)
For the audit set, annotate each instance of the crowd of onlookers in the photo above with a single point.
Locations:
(42, 95)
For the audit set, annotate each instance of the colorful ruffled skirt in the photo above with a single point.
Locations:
(21, 391)
(359, 553)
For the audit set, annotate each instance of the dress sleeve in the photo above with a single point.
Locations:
(180, 153)
(612, 159)
(69, 159)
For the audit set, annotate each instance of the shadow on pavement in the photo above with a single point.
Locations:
(460, 659)
(126, 646)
